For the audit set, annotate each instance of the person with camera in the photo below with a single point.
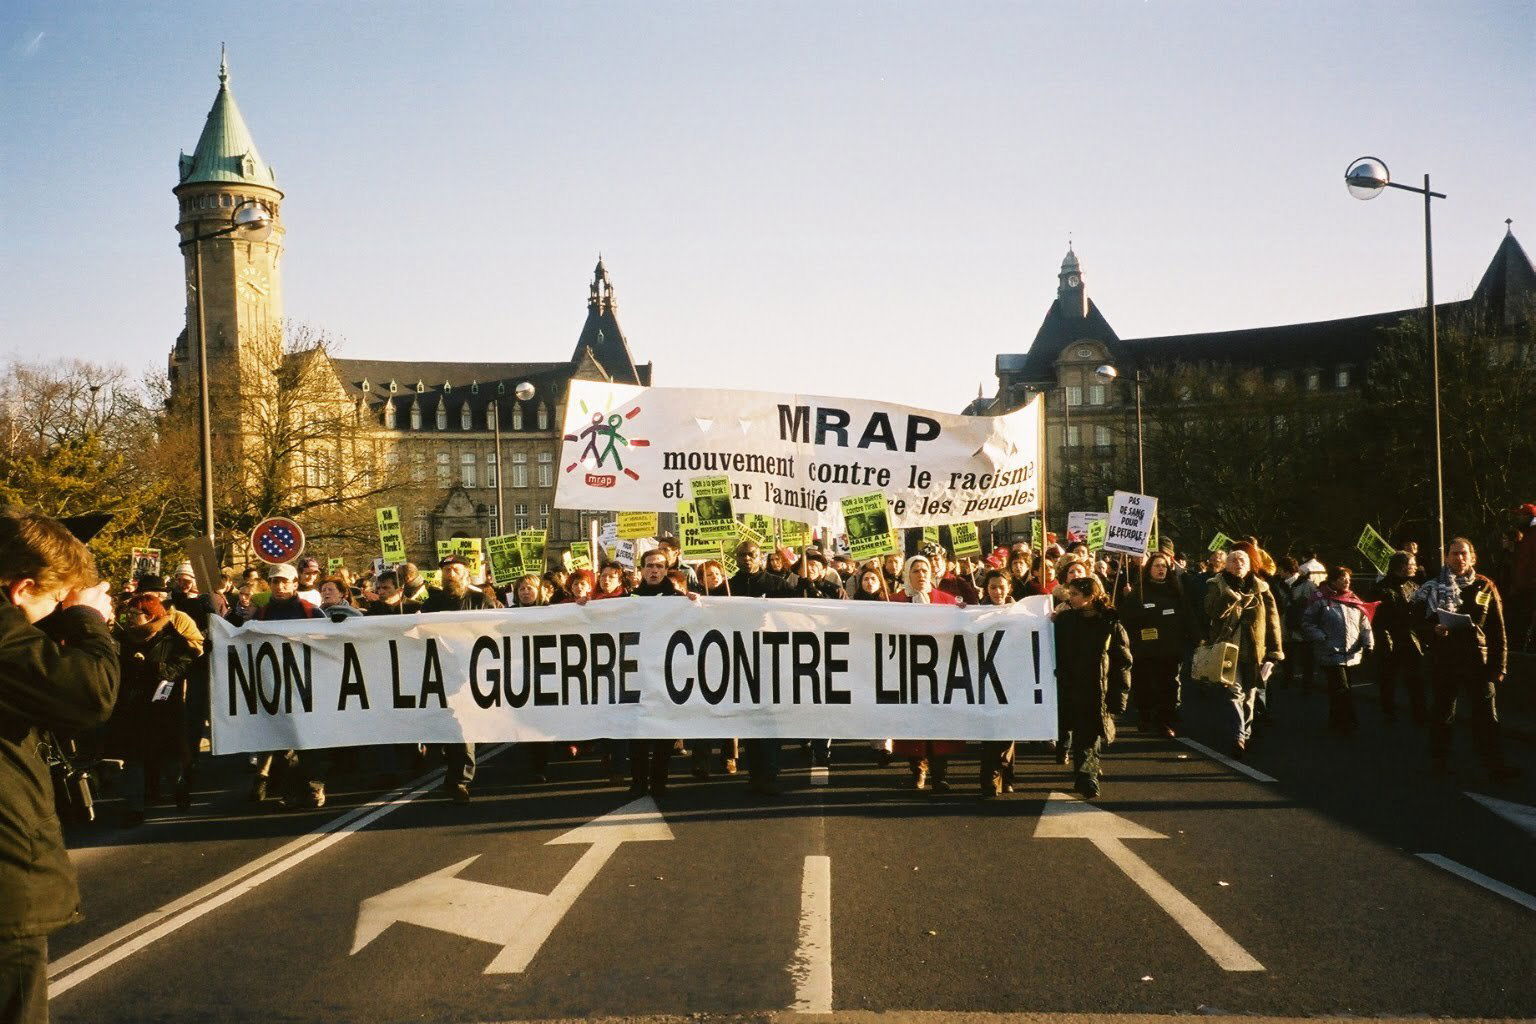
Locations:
(58, 673)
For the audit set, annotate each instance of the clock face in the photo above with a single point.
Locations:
(1073, 280)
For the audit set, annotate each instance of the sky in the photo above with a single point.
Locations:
(861, 199)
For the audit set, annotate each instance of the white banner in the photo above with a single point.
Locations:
(638, 668)
(794, 456)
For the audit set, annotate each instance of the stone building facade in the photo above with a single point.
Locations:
(446, 430)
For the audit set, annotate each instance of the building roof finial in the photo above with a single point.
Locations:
(1509, 225)
(223, 65)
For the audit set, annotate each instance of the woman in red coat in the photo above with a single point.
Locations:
(926, 759)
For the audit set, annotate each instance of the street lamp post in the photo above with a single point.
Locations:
(255, 222)
(501, 509)
(1109, 374)
(1365, 179)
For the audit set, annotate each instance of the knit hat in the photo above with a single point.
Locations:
(185, 569)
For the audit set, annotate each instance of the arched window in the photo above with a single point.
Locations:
(543, 416)
(490, 416)
(415, 415)
(389, 415)
(466, 417)
(442, 413)
(517, 415)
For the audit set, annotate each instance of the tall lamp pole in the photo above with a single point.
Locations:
(501, 509)
(254, 222)
(1366, 178)
(1108, 374)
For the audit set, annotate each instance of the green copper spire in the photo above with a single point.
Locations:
(225, 151)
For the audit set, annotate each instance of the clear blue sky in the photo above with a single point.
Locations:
(848, 198)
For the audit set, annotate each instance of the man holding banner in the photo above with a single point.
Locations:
(456, 595)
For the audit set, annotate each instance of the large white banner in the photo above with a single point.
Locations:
(794, 456)
(638, 668)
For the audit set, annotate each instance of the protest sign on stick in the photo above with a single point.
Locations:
(634, 525)
(1131, 520)
(869, 526)
(712, 505)
(966, 538)
(391, 536)
(1375, 547)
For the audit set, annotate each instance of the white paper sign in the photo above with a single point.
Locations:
(635, 668)
(1077, 524)
(794, 456)
(1131, 518)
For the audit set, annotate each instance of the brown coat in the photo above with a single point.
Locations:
(1249, 617)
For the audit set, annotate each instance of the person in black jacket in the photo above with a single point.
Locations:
(58, 673)
(649, 759)
(144, 729)
(456, 595)
(1093, 676)
(1156, 615)
(1401, 631)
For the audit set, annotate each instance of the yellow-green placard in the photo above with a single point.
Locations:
(794, 534)
(755, 528)
(728, 562)
(506, 558)
(966, 537)
(869, 526)
(1375, 547)
(533, 543)
(1037, 536)
(332, 564)
(391, 535)
(1220, 542)
(1097, 528)
(581, 554)
(930, 535)
(444, 549)
(712, 506)
(637, 525)
(691, 546)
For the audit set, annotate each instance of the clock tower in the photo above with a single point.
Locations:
(241, 274)
(1071, 296)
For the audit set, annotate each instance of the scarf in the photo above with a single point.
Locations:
(1350, 598)
(1443, 593)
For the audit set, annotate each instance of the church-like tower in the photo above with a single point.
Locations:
(242, 277)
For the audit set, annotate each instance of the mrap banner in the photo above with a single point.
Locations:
(638, 668)
(794, 456)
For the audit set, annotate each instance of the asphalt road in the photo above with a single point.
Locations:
(858, 895)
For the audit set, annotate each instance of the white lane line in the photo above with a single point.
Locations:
(820, 775)
(812, 966)
(117, 945)
(1237, 766)
(1493, 885)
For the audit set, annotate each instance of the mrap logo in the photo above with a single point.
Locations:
(604, 434)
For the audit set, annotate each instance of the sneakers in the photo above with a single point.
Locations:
(311, 799)
(459, 793)
(1090, 789)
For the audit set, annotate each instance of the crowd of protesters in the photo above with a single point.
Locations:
(1127, 631)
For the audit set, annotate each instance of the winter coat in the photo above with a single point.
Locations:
(60, 675)
(1400, 627)
(922, 748)
(1293, 600)
(934, 597)
(1156, 616)
(442, 601)
(339, 612)
(1483, 649)
(1340, 633)
(1093, 672)
(149, 655)
(826, 588)
(1244, 612)
(959, 588)
(762, 584)
(292, 608)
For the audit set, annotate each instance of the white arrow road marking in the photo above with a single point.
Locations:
(1519, 815)
(1067, 818)
(515, 920)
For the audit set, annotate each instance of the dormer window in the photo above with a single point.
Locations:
(365, 386)
(415, 415)
(421, 387)
(490, 417)
(1314, 380)
(442, 413)
(389, 415)
(517, 415)
(466, 417)
(474, 387)
(393, 387)
(543, 416)
(1341, 377)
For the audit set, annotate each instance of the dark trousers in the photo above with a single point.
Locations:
(1085, 759)
(459, 760)
(24, 980)
(1301, 666)
(1469, 682)
(1341, 706)
(1155, 688)
(648, 764)
(1406, 667)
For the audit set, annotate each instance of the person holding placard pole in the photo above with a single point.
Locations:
(1401, 634)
